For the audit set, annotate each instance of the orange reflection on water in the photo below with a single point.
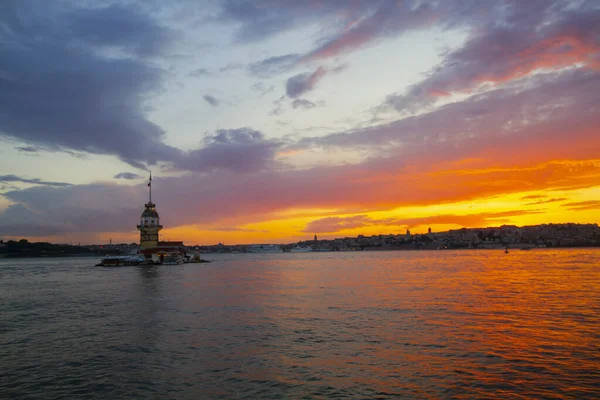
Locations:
(441, 323)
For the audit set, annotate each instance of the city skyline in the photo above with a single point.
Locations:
(266, 122)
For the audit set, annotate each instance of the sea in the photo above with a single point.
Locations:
(446, 324)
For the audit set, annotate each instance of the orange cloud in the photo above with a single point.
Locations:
(336, 224)
(583, 205)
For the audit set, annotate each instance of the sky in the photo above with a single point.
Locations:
(269, 121)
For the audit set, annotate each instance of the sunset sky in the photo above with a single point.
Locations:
(267, 121)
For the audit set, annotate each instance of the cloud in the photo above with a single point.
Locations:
(534, 197)
(486, 145)
(583, 205)
(503, 53)
(200, 72)
(64, 93)
(127, 175)
(273, 65)
(467, 221)
(278, 110)
(262, 88)
(235, 229)
(299, 84)
(80, 208)
(546, 201)
(213, 101)
(306, 104)
(35, 181)
(499, 123)
(491, 148)
(336, 224)
(231, 67)
(27, 149)
(240, 150)
(17, 220)
(119, 26)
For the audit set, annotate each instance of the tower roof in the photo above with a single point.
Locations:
(150, 211)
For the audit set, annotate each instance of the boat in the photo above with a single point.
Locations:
(301, 249)
(118, 261)
(264, 248)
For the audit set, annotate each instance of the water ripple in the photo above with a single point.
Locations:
(426, 325)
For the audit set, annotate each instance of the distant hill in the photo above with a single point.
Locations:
(24, 248)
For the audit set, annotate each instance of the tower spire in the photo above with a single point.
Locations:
(150, 188)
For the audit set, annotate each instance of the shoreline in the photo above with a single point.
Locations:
(378, 250)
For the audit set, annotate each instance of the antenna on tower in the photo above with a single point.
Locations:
(150, 187)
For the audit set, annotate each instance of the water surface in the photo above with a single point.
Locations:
(420, 324)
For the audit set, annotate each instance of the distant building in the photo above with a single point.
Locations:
(429, 230)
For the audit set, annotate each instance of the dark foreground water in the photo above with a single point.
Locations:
(440, 324)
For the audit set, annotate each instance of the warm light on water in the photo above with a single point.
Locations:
(439, 324)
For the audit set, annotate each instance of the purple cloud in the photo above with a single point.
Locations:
(299, 84)
(503, 54)
(103, 112)
(241, 150)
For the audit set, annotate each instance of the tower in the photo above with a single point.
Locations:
(149, 223)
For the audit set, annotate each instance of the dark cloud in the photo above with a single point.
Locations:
(78, 208)
(60, 95)
(119, 26)
(261, 19)
(299, 84)
(27, 149)
(18, 220)
(35, 181)
(200, 72)
(241, 150)
(127, 175)
(213, 101)
(306, 104)
(349, 24)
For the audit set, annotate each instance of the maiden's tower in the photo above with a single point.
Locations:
(155, 251)
(149, 223)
